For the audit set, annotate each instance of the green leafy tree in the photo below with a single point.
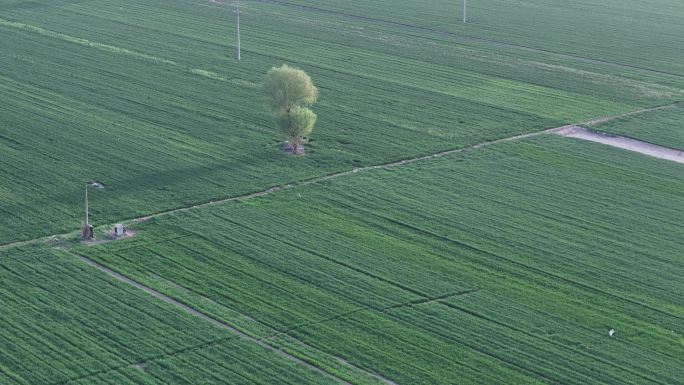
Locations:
(291, 92)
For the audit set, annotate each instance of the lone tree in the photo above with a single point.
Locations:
(291, 93)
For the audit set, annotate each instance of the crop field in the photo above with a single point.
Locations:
(663, 127)
(145, 97)
(63, 323)
(536, 249)
(435, 232)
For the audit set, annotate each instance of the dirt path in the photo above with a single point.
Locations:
(615, 117)
(622, 142)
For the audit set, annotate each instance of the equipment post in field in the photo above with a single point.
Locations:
(465, 6)
(237, 16)
(87, 220)
(87, 227)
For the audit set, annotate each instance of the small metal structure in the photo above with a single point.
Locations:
(119, 230)
(287, 147)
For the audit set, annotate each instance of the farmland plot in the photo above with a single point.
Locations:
(510, 267)
(609, 31)
(144, 97)
(64, 322)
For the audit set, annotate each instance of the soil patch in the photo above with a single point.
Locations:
(621, 142)
(287, 147)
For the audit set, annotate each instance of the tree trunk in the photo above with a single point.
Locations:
(297, 146)
(299, 149)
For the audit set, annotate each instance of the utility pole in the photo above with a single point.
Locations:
(87, 220)
(237, 15)
(87, 227)
(465, 6)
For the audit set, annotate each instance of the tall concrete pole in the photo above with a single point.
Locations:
(237, 14)
(87, 220)
(465, 6)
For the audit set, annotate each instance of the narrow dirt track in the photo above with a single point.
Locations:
(622, 142)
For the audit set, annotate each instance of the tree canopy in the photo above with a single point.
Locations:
(290, 92)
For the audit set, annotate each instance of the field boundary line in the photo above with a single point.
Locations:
(218, 323)
(289, 185)
(585, 59)
(427, 300)
(627, 114)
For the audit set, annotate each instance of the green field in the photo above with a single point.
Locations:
(112, 92)
(515, 277)
(664, 127)
(500, 263)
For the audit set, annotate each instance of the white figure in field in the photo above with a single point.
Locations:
(611, 332)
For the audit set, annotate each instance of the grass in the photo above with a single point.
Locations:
(510, 267)
(663, 127)
(108, 92)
